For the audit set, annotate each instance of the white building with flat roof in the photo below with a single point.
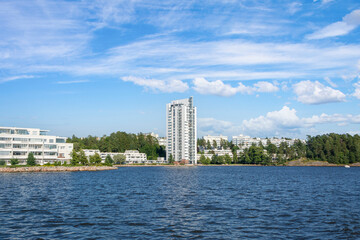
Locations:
(132, 156)
(247, 141)
(162, 141)
(19, 142)
(181, 130)
(217, 139)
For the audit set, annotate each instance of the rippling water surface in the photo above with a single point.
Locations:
(183, 202)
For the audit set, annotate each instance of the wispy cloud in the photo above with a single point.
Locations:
(72, 82)
(348, 23)
(357, 90)
(294, 7)
(13, 78)
(155, 85)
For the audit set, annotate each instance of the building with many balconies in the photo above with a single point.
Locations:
(19, 142)
(217, 139)
(181, 131)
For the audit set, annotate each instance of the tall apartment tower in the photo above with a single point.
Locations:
(181, 130)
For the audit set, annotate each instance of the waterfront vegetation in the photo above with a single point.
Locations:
(331, 148)
(120, 142)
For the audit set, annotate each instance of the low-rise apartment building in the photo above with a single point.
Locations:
(19, 142)
(132, 156)
(217, 139)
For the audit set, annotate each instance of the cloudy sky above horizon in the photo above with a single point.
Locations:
(260, 68)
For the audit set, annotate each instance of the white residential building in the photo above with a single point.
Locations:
(155, 135)
(19, 142)
(217, 139)
(246, 141)
(206, 155)
(181, 130)
(162, 141)
(132, 156)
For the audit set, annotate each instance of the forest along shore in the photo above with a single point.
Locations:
(56, 169)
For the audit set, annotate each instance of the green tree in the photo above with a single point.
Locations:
(214, 144)
(31, 161)
(74, 157)
(208, 145)
(271, 148)
(95, 159)
(82, 158)
(235, 157)
(119, 159)
(108, 160)
(204, 160)
(171, 159)
(14, 161)
(227, 159)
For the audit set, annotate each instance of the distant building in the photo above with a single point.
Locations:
(162, 141)
(132, 156)
(217, 139)
(151, 134)
(181, 130)
(247, 141)
(19, 142)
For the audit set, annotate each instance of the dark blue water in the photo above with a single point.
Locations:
(183, 202)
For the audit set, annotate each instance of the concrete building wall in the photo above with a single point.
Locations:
(19, 142)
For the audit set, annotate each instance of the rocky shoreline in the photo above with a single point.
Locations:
(56, 169)
(312, 163)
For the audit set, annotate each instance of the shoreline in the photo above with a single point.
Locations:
(55, 169)
(295, 163)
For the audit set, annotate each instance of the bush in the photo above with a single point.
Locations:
(108, 160)
(2, 162)
(14, 161)
(58, 163)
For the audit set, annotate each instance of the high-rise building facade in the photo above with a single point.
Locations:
(19, 142)
(181, 130)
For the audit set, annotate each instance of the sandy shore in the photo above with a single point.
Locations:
(56, 169)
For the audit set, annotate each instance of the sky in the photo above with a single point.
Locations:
(258, 68)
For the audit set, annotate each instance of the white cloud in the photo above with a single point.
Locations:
(309, 92)
(265, 87)
(201, 85)
(167, 86)
(357, 90)
(284, 122)
(71, 82)
(13, 78)
(273, 122)
(349, 23)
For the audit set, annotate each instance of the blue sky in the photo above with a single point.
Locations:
(261, 68)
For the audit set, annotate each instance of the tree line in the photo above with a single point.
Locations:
(333, 148)
(120, 142)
